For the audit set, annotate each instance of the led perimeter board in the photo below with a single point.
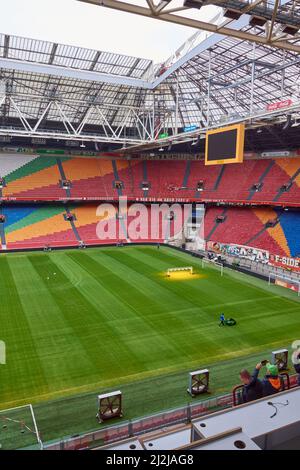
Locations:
(225, 145)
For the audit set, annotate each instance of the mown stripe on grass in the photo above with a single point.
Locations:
(23, 372)
(198, 293)
(185, 329)
(105, 348)
(148, 334)
(59, 350)
(128, 350)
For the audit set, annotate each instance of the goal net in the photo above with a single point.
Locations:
(18, 429)
(219, 266)
(285, 281)
(176, 270)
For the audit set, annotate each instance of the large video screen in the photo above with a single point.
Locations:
(225, 145)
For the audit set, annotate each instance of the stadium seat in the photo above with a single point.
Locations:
(94, 178)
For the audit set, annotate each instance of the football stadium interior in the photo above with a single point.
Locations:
(150, 235)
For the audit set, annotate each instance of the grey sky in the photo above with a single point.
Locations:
(75, 23)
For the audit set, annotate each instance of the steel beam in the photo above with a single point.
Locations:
(76, 74)
(196, 24)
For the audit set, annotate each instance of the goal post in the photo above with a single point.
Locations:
(206, 261)
(285, 281)
(18, 428)
(184, 268)
(36, 430)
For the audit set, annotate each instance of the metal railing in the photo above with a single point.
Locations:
(130, 428)
(286, 384)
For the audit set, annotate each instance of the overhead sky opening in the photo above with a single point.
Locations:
(79, 24)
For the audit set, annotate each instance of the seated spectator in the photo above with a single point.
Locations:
(271, 382)
(252, 389)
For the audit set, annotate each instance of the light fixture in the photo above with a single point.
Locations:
(82, 145)
(288, 122)
(193, 3)
(161, 149)
(38, 141)
(71, 143)
(196, 141)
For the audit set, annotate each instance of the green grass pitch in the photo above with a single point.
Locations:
(80, 321)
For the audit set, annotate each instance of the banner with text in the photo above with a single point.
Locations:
(284, 262)
(240, 251)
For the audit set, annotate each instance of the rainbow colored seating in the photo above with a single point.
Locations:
(29, 178)
(36, 226)
(39, 178)
(35, 179)
(245, 226)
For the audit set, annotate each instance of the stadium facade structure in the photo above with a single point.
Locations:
(122, 113)
(117, 112)
(50, 91)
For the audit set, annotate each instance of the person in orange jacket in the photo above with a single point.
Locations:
(271, 382)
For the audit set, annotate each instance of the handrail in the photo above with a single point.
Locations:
(234, 394)
(286, 385)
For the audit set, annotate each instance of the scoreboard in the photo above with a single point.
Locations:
(225, 145)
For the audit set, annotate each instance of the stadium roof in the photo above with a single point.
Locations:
(54, 91)
(278, 21)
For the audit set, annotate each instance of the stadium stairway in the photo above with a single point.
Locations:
(239, 223)
(116, 178)
(226, 182)
(218, 180)
(125, 172)
(216, 224)
(36, 226)
(38, 178)
(63, 176)
(290, 182)
(291, 168)
(2, 236)
(210, 220)
(245, 226)
(207, 174)
(145, 177)
(274, 178)
(87, 219)
(86, 176)
(272, 238)
(186, 174)
(71, 222)
(171, 179)
(261, 179)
